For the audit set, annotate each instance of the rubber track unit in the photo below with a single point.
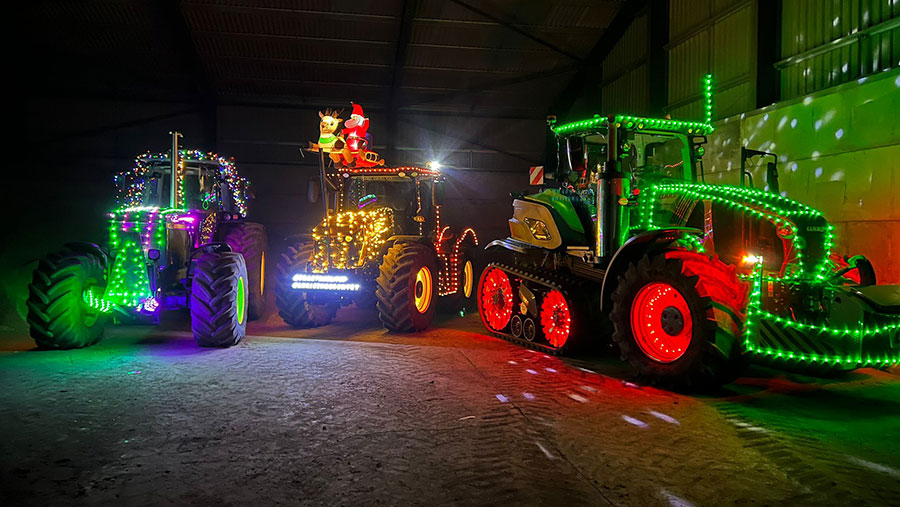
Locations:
(55, 302)
(552, 280)
(250, 240)
(214, 313)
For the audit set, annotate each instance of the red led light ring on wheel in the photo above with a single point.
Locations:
(661, 322)
(556, 320)
(496, 298)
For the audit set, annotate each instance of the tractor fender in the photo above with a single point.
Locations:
(213, 247)
(510, 244)
(298, 238)
(407, 238)
(89, 248)
(634, 248)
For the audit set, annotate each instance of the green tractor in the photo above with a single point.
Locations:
(694, 277)
(178, 239)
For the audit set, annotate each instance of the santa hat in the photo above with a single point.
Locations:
(357, 110)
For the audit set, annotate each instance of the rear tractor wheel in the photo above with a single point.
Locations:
(406, 287)
(678, 318)
(59, 311)
(249, 239)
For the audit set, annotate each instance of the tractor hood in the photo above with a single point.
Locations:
(740, 223)
(354, 238)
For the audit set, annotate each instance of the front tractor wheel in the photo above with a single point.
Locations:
(58, 313)
(219, 299)
(678, 318)
(407, 287)
(295, 307)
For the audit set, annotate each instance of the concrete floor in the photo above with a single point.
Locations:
(350, 415)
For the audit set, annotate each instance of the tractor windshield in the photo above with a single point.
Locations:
(404, 195)
(156, 188)
(651, 155)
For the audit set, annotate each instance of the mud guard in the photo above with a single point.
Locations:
(633, 249)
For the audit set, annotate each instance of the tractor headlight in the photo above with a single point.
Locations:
(538, 229)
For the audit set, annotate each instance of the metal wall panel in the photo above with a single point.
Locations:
(626, 76)
(688, 63)
(684, 15)
(631, 48)
(717, 36)
(630, 94)
(829, 42)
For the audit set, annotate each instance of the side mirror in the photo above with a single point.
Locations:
(575, 148)
(313, 191)
(772, 177)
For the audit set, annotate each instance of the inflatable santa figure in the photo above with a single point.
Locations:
(355, 129)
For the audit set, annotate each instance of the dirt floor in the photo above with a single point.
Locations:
(350, 415)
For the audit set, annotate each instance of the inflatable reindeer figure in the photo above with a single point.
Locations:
(329, 141)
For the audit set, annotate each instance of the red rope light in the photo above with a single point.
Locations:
(496, 296)
(661, 322)
(556, 320)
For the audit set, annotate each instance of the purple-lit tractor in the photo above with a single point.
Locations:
(178, 239)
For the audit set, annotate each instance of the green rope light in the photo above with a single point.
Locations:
(641, 123)
(755, 313)
(707, 97)
(764, 205)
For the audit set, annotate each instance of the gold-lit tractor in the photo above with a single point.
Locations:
(178, 239)
(381, 244)
(695, 278)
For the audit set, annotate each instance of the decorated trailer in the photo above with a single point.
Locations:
(694, 277)
(381, 242)
(178, 239)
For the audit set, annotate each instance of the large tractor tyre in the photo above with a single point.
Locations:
(407, 287)
(294, 306)
(466, 281)
(250, 240)
(58, 315)
(365, 299)
(678, 318)
(219, 299)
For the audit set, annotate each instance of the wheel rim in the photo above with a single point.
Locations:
(241, 300)
(423, 289)
(556, 321)
(661, 322)
(262, 272)
(496, 299)
(468, 279)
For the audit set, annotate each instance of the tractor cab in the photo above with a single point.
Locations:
(643, 155)
(602, 164)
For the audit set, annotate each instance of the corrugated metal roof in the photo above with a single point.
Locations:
(460, 54)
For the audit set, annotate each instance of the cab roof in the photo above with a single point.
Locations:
(634, 123)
